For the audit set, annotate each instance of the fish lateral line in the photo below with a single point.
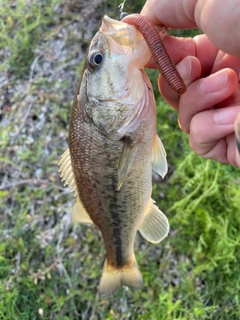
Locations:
(159, 53)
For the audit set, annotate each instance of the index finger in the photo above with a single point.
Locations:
(177, 48)
(173, 14)
(219, 19)
(180, 48)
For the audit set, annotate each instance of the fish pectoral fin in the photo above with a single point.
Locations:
(79, 213)
(159, 162)
(113, 278)
(66, 171)
(125, 162)
(154, 226)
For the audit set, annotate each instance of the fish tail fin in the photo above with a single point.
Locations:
(113, 278)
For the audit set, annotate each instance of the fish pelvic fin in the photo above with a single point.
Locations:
(159, 161)
(113, 278)
(154, 226)
(79, 213)
(66, 171)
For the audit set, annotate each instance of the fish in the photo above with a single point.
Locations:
(113, 148)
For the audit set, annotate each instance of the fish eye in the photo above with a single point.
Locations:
(95, 59)
(98, 58)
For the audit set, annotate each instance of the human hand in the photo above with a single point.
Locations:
(218, 19)
(209, 107)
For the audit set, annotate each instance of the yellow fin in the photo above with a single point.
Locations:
(125, 162)
(114, 278)
(66, 172)
(79, 213)
(159, 162)
(154, 226)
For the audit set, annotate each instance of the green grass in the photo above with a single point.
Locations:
(22, 28)
(49, 268)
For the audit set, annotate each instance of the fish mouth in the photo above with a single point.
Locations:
(125, 38)
(121, 32)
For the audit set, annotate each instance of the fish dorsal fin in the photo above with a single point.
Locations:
(154, 226)
(159, 162)
(125, 162)
(79, 213)
(66, 172)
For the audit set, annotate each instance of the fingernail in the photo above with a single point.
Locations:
(185, 70)
(215, 82)
(225, 116)
(180, 126)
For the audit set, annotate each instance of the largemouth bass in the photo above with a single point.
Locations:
(113, 147)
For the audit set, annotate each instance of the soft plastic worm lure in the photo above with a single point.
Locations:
(158, 50)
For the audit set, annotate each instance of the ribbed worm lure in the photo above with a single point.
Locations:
(158, 50)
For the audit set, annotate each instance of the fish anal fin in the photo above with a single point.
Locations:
(125, 162)
(113, 278)
(159, 161)
(79, 213)
(154, 226)
(66, 172)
